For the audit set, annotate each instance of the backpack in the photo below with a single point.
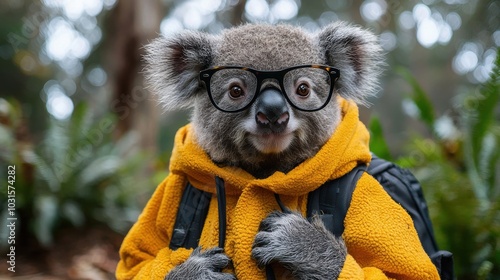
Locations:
(332, 197)
(335, 197)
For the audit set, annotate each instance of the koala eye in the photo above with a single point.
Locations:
(236, 91)
(303, 90)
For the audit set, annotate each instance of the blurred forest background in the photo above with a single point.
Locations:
(90, 144)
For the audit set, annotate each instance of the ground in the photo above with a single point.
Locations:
(90, 253)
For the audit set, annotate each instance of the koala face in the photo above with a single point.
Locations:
(255, 108)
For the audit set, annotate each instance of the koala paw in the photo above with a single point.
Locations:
(305, 248)
(202, 265)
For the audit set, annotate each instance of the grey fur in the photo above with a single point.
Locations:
(307, 249)
(358, 56)
(204, 265)
(173, 65)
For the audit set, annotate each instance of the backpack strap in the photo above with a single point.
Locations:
(443, 260)
(221, 206)
(190, 219)
(332, 200)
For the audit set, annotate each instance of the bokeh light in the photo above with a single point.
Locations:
(170, 26)
(388, 40)
(64, 41)
(373, 10)
(97, 77)
(465, 62)
(446, 129)
(454, 20)
(257, 9)
(432, 27)
(410, 108)
(285, 9)
(406, 20)
(428, 32)
(59, 105)
(496, 37)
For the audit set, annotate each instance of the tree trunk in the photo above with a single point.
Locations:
(238, 11)
(132, 25)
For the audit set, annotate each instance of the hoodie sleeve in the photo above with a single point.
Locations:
(381, 240)
(145, 252)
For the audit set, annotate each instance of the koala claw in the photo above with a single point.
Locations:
(271, 222)
(305, 248)
(203, 265)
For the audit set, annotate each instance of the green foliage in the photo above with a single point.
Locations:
(79, 174)
(378, 145)
(482, 137)
(420, 98)
(459, 169)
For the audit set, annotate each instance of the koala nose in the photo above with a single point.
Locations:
(272, 110)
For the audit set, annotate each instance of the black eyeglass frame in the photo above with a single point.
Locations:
(279, 75)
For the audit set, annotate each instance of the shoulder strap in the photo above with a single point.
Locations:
(221, 206)
(191, 216)
(331, 201)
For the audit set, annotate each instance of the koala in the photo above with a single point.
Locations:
(246, 139)
(265, 98)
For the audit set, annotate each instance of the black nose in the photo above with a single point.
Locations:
(272, 110)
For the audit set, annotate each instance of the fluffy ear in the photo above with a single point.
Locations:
(358, 56)
(173, 65)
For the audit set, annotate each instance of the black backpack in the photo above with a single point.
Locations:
(332, 197)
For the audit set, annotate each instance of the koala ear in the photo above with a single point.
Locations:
(358, 56)
(173, 65)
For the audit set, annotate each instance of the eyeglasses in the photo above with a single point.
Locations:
(306, 87)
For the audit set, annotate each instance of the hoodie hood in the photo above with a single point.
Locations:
(348, 147)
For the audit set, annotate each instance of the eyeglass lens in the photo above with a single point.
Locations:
(307, 88)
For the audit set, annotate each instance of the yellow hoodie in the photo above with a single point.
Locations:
(380, 237)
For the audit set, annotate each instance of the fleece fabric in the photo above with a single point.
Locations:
(381, 240)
